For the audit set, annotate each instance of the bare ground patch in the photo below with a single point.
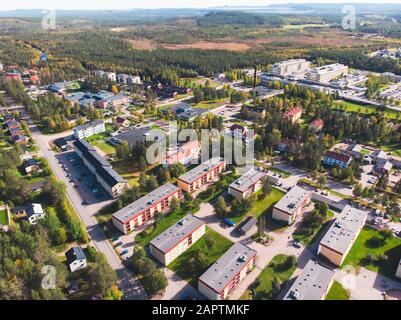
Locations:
(206, 45)
(142, 44)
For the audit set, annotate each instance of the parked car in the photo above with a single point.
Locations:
(115, 239)
(120, 243)
(296, 244)
(122, 253)
(229, 222)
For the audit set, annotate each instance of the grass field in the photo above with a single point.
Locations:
(362, 109)
(105, 147)
(362, 247)
(164, 223)
(181, 267)
(337, 292)
(263, 285)
(3, 217)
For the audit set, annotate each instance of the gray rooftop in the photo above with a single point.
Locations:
(343, 231)
(247, 180)
(129, 212)
(227, 267)
(89, 125)
(176, 233)
(312, 284)
(292, 200)
(200, 170)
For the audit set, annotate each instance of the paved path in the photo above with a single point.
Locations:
(128, 284)
(177, 287)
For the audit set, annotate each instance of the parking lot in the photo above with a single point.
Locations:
(81, 178)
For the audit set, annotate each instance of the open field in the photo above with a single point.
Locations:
(142, 44)
(337, 292)
(3, 217)
(363, 109)
(190, 273)
(364, 245)
(278, 269)
(105, 147)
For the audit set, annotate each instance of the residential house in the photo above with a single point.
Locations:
(293, 115)
(332, 158)
(32, 211)
(30, 166)
(254, 113)
(122, 122)
(317, 124)
(76, 259)
(19, 139)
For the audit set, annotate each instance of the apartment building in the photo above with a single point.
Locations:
(247, 185)
(313, 283)
(227, 272)
(110, 180)
(145, 208)
(338, 240)
(332, 158)
(128, 79)
(105, 75)
(202, 174)
(293, 115)
(326, 73)
(292, 205)
(254, 113)
(173, 242)
(290, 67)
(89, 129)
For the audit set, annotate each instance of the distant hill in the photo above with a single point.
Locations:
(218, 18)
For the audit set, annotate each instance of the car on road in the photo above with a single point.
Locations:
(296, 244)
(349, 186)
(119, 243)
(124, 252)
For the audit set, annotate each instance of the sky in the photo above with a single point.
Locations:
(130, 4)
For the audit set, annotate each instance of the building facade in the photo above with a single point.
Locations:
(332, 158)
(173, 242)
(290, 67)
(292, 205)
(145, 208)
(89, 129)
(339, 239)
(247, 185)
(326, 73)
(227, 272)
(204, 173)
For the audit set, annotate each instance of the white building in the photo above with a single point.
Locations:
(33, 212)
(89, 129)
(290, 67)
(326, 73)
(247, 185)
(76, 259)
(105, 75)
(128, 79)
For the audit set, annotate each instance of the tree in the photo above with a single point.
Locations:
(155, 282)
(267, 187)
(322, 180)
(221, 206)
(357, 190)
(113, 293)
(101, 276)
(210, 242)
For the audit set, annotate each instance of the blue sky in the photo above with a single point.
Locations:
(129, 4)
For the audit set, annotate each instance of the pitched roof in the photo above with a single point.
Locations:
(338, 156)
(75, 253)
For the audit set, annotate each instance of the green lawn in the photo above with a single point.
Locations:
(337, 292)
(167, 221)
(210, 104)
(105, 147)
(181, 267)
(309, 238)
(363, 246)
(278, 268)
(362, 109)
(3, 217)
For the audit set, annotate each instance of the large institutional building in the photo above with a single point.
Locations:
(290, 67)
(145, 208)
(312, 284)
(247, 185)
(110, 180)
(292, 205)
(202, 174)
(326, 73)
(173, 242)
(338, 240)
(226, 273)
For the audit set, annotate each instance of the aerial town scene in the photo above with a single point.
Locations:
(237, 151)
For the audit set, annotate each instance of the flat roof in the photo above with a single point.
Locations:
(200, 170)
(343, 231)
(132, 210)
(227, 267)
(312, 284)
(247, 180)
(292, 200)
(176, 233)
(89, 125)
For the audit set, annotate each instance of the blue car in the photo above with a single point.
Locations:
(229, 222)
